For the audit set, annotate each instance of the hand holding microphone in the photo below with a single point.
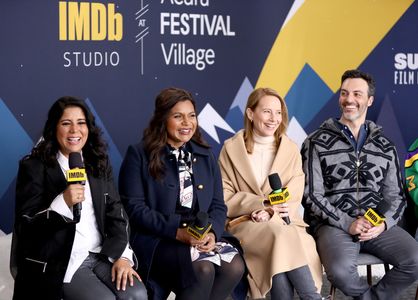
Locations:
(279, 195)
(76, 178)
(369, 226)
(200, 227)
(197, 233)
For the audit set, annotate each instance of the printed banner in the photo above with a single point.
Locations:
(118, 55)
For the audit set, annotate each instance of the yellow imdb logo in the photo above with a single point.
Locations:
(279, 197)
(373, 217)
(89, 21)
(76, 175)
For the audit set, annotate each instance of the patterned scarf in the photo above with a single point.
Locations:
(184, 164)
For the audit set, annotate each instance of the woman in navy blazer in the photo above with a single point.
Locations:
(57, 254)
(151, 192)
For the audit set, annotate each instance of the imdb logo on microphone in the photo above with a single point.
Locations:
(76, 175)
(90, 22)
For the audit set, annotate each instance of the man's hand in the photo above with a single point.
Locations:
(122, 272)
(365, 230)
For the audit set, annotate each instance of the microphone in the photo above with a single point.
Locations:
(375, 216)
(200, 226)
(278, 194)
(76, 174)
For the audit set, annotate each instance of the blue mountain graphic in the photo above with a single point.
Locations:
(307, 96)
(114, 154)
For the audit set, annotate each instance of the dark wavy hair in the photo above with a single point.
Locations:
(155, 135)
(360, 74)
(94, 151)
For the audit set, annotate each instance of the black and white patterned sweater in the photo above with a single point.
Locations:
(341, 184)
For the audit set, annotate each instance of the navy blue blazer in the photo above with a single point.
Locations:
(151, 204)
(43, 239)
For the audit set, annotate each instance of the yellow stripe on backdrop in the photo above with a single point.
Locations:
(410, 162)
(331, 36)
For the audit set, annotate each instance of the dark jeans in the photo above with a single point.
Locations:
(339, 253)
(93, 281)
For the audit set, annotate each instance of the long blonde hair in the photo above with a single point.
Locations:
(252, 103)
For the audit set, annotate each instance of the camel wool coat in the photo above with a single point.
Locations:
(269, 247)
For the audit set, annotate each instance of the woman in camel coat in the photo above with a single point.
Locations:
(279, 257)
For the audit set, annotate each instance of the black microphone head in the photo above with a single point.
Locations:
(75, 161)
(383, 207)
(275, 182)
(201, 219)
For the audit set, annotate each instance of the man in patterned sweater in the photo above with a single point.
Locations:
(351, 166)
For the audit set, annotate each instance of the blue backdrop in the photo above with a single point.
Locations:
(119, 54)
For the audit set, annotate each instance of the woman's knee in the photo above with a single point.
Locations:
(204, 269)
(236, 267)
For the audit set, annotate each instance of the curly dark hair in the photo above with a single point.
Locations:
(155, 135)
(94, 151)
